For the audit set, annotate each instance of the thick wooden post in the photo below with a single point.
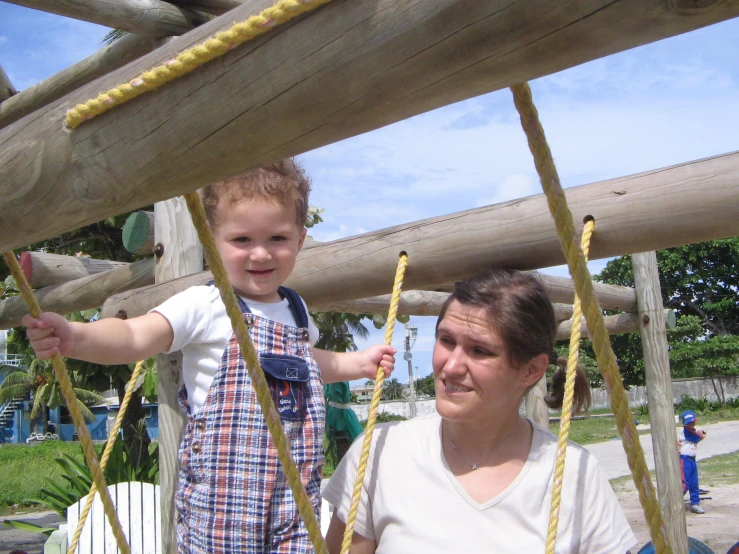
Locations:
(180, 254)
(659, 396)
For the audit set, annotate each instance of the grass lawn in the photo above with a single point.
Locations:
(714, 472)
(24, 468)
(592, 429)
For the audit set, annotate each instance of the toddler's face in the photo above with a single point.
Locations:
(258, 241)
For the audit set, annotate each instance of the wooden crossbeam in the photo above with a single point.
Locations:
(151, 18)
(347, 68)
(632, 214)
(215, 7)
(7, 90)
(105, 60)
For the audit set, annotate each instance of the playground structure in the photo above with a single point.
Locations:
(283, 107)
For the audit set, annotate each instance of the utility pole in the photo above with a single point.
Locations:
(410, 338)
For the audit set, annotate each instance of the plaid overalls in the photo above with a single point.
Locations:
(232, 494)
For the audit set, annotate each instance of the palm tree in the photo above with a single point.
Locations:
(393, 389)
(38, 382)
(337, 330)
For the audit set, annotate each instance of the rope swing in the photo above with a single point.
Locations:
(564, 424)
(584, 286)
(60, 370)
(376, 395)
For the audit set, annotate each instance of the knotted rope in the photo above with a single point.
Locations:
(60, 369)
(564, 422)
(106, 454)
(190, 59)
(376, 395)
(259, 382)
(584, 287)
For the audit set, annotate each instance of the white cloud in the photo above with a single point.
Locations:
(3, 40)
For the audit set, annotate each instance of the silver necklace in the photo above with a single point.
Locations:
(455, 446)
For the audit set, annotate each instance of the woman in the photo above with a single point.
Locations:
(477, 477)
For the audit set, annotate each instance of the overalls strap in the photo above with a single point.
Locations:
(296, 306)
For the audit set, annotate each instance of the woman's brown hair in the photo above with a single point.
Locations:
(521, 313)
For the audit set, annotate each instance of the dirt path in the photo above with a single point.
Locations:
(718, 527)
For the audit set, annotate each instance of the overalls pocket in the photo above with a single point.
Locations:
(287, 377)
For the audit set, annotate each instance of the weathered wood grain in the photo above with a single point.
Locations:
(619, 324)
(659, 396)
(151, 18)
(45, 270)
(7, 89)
(81, 294)
(344, 69)
(631, 213)
(181, 254)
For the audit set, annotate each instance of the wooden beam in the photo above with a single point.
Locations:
(181, 254)
(80, 294)
(105, 60)
(45, 270)
(215, 7)
(619, 324)
(150, 18)
(561, 290)
(344, 69)
(412, 302)
(659, 396)
(6, 87)
(631, 213)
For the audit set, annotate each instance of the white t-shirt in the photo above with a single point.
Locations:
(411, 502)
(687, 448)
(202, 330)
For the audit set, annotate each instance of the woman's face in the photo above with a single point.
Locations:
(473, 377)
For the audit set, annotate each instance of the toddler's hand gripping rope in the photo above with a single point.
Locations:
(564, 424)
(190, 59)
(259, 382)
(60, 369)
(376, 395)
(584, 286)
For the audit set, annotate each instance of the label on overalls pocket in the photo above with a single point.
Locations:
(287, 377)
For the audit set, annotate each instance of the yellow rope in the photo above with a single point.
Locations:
(74, 410)
(192, 58)
(261, 388)
(376, 395)
(564, 424)
(106, 454)
(584, 288)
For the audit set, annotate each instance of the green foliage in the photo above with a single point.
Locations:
(426, 387)
(703, 406)
(24, 468)
(337, 330)
(392, 389)
(700, 282)
(385, 418)
(314, 217)
(76, 479)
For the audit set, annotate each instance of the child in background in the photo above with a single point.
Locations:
(232, 494)
(687, 440)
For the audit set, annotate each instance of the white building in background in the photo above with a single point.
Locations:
(5, 358)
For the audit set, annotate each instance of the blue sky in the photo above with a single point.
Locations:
(661, 104)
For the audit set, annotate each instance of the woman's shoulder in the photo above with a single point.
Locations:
(404, 434)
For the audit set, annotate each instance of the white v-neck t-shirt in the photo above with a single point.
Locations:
(411, 501)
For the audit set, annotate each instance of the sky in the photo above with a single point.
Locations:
(661, 104)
